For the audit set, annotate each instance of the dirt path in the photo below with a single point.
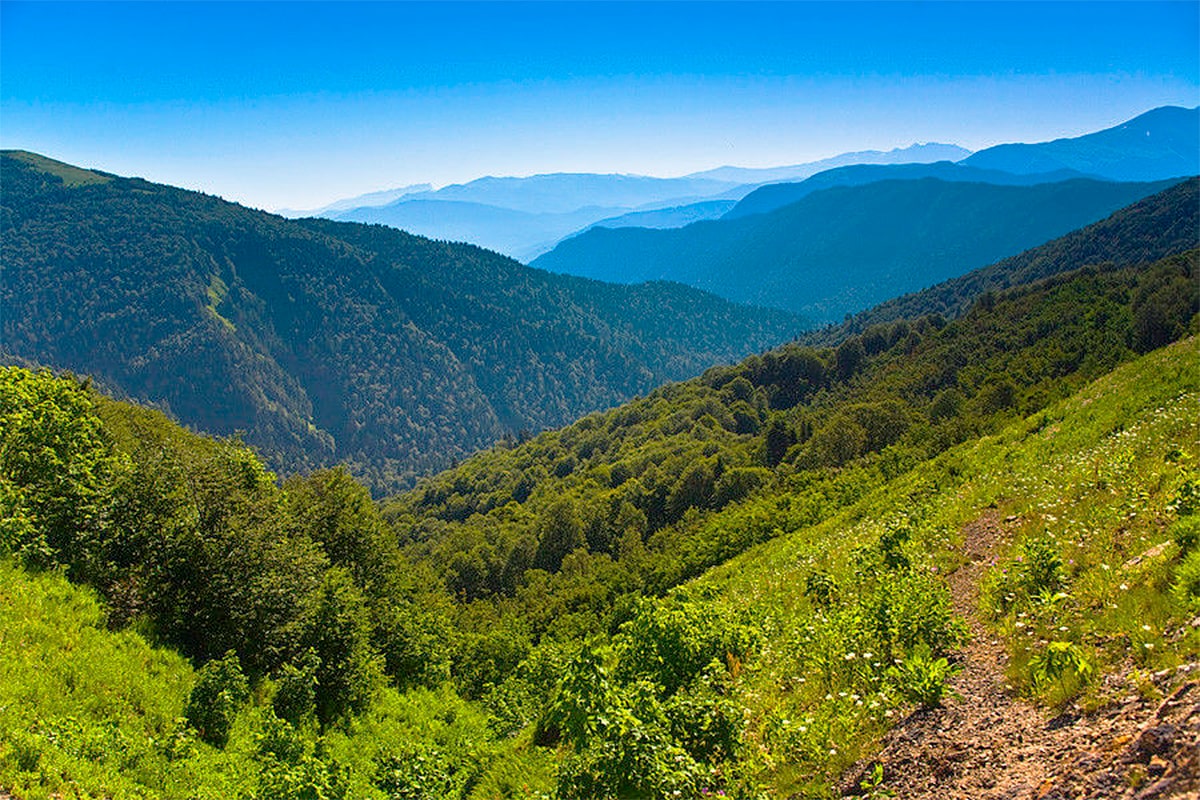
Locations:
(986, 744)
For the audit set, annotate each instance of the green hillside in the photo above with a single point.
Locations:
(734, 584)
(1164, 223)
(847, 248)
(330, 342)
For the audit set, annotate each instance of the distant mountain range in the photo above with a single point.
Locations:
(525, 217)
(521, 234)
(330, 342)
(777, 195)
(841, 249)
(1162, 143)
(369, 200)
(913, 154)
(564, 192)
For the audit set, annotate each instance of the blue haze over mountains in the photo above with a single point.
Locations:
(527, 217)
(341, 342)
(849, 237)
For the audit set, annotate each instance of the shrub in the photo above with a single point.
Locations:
(1186, 587)
(820, 588)
(1187, 499)
(296, 696)
(221, 689)
(1186, 532)
(921, 678)
(1061, 663)
(418, 771)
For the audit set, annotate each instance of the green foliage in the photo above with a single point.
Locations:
(329, 341)
(220, 691)
(1186, 587)
(416, 771)
(584, 695)
(921, 677)
(1065, 664)
(635, 759)
(55, 470)
(671, 643)
(1186, 532)
(1036, 574)
(1187, 499)
(295, 697)
(820, 588)
(1164, 305)
(336, 629)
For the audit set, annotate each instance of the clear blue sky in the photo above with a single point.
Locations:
(297, 104)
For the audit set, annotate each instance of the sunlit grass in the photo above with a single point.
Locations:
(1094, 479)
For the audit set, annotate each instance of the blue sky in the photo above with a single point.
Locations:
(297, 104)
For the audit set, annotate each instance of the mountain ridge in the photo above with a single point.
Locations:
(331, 341)
(1163, 142)
(845, 248)
(915, 153)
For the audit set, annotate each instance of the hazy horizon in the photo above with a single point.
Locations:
(300, 104)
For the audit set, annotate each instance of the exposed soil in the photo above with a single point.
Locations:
(984, 743)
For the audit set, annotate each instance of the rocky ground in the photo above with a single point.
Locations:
(985, 743)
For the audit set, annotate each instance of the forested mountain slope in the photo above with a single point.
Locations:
(335, 666)
(1164, 223)
(330, 342)
(846, 248)
(777, 195)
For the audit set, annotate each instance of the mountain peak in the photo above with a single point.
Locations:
(1163, 142)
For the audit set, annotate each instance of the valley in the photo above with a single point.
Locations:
(876, 480)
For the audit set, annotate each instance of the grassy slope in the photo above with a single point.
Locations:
(92, 713)
(87, 710)
(1096, 475)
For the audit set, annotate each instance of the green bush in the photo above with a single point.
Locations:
(417, 771)
(1186, 532)
(1063, 665)
(921, 678)
(1186, 587)
(1187, 499)
(221, 689)
(633, 755)
(296, 689)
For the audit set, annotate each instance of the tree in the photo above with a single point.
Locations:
(560, 531)
(221, 690)
(778, 438)
(338, 630)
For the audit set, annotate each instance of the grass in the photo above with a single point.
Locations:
(1095, 479)
(92, 713)
(852, 615)
(71, 176)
